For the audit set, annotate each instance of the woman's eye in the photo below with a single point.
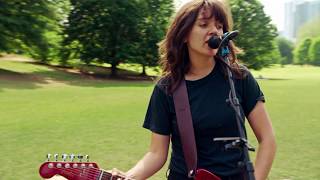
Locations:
(203, 25)
(219, 27)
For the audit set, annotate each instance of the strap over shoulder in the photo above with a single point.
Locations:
(185, 126)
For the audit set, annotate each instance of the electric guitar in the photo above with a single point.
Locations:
(90, 171)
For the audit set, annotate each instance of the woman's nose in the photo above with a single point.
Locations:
(213, 30)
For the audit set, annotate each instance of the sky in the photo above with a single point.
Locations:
(273, 8)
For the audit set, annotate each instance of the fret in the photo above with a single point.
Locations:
(108, 176)
(101, 175)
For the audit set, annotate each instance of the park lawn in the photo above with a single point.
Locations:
(45, 110)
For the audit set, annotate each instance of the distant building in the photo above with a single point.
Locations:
(297, 13)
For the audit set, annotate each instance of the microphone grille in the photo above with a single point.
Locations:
(214, 42)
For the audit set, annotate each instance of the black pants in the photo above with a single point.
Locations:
(178, 176)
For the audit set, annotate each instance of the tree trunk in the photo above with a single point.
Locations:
(114, 72)
(143, 70)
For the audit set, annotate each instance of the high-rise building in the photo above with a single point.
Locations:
(297, 13)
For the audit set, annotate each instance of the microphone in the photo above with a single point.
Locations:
(216, 41)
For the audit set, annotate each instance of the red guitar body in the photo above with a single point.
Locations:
(203, 174)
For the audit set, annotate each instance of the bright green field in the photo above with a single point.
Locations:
(48, 111)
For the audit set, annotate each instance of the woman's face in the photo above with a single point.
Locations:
(202, 30)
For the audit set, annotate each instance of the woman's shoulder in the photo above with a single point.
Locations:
(244, 71)
(163, 84)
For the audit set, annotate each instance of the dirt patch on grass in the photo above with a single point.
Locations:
(14, 57)
(17, 76)
(65, 74)
(99, 72)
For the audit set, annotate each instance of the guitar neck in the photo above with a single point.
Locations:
(104, 175)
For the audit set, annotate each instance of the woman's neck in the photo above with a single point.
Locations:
(200, 67)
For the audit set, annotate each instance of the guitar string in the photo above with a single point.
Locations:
(76, 171)
(108, 174)
(91, 172)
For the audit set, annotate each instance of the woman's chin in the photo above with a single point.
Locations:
(212, 52)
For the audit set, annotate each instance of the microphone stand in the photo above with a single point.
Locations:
(241, 141)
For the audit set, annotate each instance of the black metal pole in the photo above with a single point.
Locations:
(241, 141)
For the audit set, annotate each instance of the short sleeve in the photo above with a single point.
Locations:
(157, 118)
(251, 94)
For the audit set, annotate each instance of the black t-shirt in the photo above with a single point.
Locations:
(212, 117)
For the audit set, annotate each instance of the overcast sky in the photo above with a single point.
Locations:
(273, 8)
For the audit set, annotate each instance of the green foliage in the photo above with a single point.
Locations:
(116, 32)
(105, 31)
(286, 50)
(310, 29)
(156, 14)
(256, 33)
(314, 51)
(302, 52)
(24, 24)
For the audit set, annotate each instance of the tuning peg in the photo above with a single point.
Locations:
(64, 157)
(48, 157)
(80, 157)
(87, 158)
(72, 156)
(56, 156)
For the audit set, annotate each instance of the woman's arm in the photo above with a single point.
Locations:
(261, 125)
(153, 160)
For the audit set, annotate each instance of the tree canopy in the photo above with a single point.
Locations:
(310, 29)
(286, 50)
(24, 24)
(257, 34)
(116, 31)
(302, 52)
(314, 51)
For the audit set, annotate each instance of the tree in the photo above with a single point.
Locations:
(24, 24)
(256, 35)
(105, 31)
(309, 29)
(302, 52)
(152, 30)
(314, 52)
(286, 50)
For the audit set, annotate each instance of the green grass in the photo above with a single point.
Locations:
(45, 110)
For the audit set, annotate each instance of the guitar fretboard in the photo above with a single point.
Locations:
(104, 175)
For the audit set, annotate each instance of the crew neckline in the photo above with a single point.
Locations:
(205, 78)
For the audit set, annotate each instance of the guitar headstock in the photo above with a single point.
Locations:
(69, 169)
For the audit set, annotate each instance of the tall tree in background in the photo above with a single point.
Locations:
(24, 24)
(314, 52)
(286, 50)
(310, 29)
(302, 52)
(257, 34)
(156, 15)
(105, 31)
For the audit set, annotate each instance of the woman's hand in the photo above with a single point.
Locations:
(121, 174)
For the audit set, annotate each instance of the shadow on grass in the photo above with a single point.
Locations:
(86, 76)
(16, 80)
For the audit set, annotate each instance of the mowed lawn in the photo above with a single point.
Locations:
(45, 110)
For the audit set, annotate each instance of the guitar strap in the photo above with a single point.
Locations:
(185, 126)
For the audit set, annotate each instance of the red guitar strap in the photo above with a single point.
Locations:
(185, 126)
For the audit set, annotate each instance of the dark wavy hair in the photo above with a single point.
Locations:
(174, 56)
